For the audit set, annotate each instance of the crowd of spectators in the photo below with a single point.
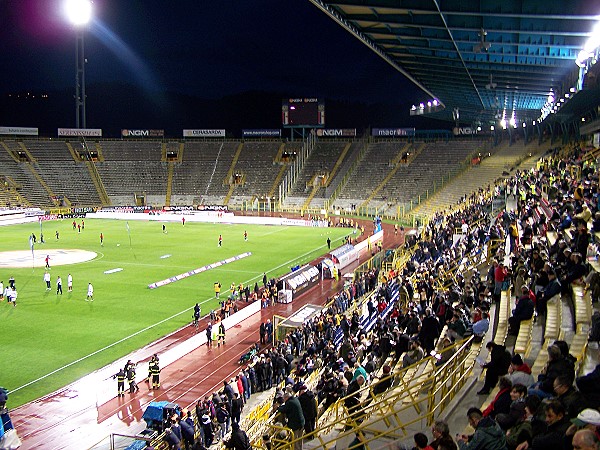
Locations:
(411, 308)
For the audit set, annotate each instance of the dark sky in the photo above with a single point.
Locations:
(202, 48)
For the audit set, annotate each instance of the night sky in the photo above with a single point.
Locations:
(191, 49)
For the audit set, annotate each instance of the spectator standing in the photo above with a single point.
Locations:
(292, 410)
(237, 405)
(308, 403)
(498, 365)
(239, 439)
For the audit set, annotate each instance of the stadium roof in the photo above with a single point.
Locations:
(485, 59)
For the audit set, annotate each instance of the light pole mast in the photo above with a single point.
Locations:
(79, 80)
(79, 13)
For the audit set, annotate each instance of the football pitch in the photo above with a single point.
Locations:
(50, 340)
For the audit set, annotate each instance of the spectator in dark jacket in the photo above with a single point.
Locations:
(487, 436)
(187, 428)
(430, 331)
(552, 288)
(557, 365)
(557, 424)
(572, 400)
(502, 400)
(238, 440)
(589, 385)
(523, 311)
(309, 409)
(498, 365)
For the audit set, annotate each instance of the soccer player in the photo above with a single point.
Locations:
(47, 261)
(58, 285)
(70, 283)
(245, 235)
(101, 239)
(47, 280)
(220, 241)
(90, 293)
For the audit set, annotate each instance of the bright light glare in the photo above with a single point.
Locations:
(594, 40)
(79, 12)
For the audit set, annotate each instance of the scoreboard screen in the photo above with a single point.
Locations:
(298, 112)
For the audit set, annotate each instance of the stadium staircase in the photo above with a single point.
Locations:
(313, 192)
(8, 150)
(396, 163)
(74, 155)
(330, 177)
(346, 172)
(94, 175)
(503, 161)
(99, 151)
(228, 178)
(170, 169)
(277, 180)
(279, 156)
(338, 163)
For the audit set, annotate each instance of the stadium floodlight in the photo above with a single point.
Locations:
(79, 13)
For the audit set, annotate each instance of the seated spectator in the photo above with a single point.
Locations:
(571, 399)
(441, 436)
(535, 414)
(596, 222)
(564, 351)
(550, 290)
(523, 311)
(589, 385)
(575, 271)
(586, 440)
(519, 372)
(517, 396)
(481, 327)
(421, 442)
(502, 400)
(413, 355)
(521, 430)
(552, 438)
(384, 383)
(487, 436)
(588, 419)
(448, 349)
(456, 327)
(557, 365)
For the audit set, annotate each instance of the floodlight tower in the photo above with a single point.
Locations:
(79, 13)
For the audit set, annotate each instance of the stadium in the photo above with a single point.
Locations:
(410, 275)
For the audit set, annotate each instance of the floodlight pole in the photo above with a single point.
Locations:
(79, 79)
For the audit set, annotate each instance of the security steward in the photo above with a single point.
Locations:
(133, 387)
(120, 376)
(155, 372)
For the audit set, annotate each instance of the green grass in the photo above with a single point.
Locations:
(45, 331)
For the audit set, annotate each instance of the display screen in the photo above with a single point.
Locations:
(303, 112)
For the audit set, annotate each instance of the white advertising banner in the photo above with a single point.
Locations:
(21, 131)
(85, 132)
(203, 133)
